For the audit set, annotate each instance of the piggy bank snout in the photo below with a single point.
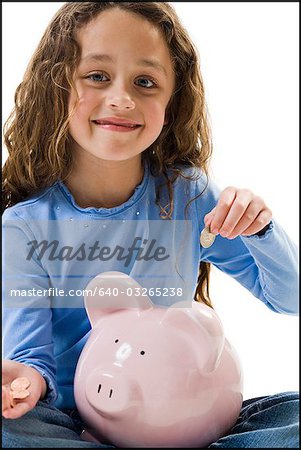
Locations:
(110, 392)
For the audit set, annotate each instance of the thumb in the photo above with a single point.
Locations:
(5, 398)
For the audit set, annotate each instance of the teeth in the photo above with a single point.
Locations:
(122, 125)
(118, 124)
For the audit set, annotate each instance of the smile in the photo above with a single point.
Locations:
(112, 124)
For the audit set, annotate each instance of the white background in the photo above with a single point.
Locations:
(249, 62)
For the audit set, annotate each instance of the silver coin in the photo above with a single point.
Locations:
(207, 238)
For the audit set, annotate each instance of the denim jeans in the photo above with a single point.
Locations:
(264, 422)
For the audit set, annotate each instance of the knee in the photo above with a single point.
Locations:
(20, 433)
(287, 404)
(11, 436)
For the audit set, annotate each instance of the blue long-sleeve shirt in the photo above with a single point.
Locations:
(53, 248)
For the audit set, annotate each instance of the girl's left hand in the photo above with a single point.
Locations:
(238, 212)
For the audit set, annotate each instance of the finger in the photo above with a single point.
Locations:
(246, 219)
(17, 411)
(222, 208)
(5, 398)
(263, 218)
(208, 217)
(238, 209)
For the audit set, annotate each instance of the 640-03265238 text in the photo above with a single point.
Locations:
(100, 291)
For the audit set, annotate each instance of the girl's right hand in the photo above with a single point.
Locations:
(37, 389)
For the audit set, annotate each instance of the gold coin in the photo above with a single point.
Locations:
(207, 238)
(18, 384)
(20, 394)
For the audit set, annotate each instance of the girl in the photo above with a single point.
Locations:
(110, 129)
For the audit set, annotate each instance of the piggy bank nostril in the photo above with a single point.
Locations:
(110, 393)
(99, 388)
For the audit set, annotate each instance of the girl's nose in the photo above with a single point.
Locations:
(119, 99)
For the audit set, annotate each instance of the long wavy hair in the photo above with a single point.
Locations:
(36, 132)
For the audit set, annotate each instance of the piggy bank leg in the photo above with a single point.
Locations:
(86, 436)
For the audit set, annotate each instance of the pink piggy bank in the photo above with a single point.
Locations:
(152, 376)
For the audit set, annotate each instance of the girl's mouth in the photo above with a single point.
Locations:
(112, 124)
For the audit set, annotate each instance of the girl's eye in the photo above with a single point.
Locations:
(98, 77)
(145, 83)
(141, 82)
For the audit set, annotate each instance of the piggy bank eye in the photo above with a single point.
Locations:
(116, 340)
(142, 352)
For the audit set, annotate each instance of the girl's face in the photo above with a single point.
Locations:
(124, 81)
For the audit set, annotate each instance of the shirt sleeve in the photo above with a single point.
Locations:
(26, 309)
(266, 265)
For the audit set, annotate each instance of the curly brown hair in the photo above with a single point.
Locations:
(36, 132)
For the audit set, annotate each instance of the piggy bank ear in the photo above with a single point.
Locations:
(201, 323)
(111, 291)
